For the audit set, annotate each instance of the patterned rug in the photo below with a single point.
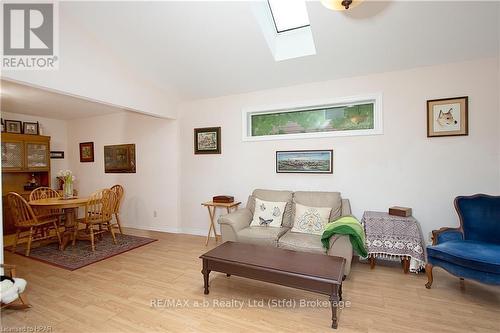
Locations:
(81, 255)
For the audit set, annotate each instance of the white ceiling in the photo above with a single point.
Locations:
(24, 99)
(216, 48)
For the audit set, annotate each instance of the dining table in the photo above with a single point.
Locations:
(69, 207)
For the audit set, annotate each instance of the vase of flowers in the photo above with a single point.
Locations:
(68, 179)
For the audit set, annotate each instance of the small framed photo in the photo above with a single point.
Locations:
(30, 128)
(207, 140)
(87, 152)
(448, 117)
(13, 126)
(56, 154)
(304, 161)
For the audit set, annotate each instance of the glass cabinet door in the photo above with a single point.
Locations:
(12, 155)
(37, 156)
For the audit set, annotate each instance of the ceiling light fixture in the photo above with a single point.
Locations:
(340, 4)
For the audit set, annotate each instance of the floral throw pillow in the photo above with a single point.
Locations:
(310, 220)
(267, 213)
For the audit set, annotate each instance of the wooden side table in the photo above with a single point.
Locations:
(212, 206)
(395, 237)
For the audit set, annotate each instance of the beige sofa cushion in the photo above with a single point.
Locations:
(277, 196)
(310, 220)
(319, 199)
(301, 242)
(261, 235)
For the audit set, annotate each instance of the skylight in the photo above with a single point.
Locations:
(289, 14)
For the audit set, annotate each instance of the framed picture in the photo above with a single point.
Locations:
(207, 140)
(448, 117)
(304, 161)
(30, 128)
(86, 152)
(119, 158)
(13, 126)
(56, 154)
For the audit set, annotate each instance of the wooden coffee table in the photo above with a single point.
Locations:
(312, 272)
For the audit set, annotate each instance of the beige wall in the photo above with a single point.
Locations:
(153, 187)
(400, 167)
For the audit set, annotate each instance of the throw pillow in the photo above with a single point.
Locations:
(267, 213)
(310, 220)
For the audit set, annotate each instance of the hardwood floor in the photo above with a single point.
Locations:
(115, 295)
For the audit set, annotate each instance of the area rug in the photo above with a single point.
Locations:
(81, 255)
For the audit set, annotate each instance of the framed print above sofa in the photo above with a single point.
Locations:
(304, 161)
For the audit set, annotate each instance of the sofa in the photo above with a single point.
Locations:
(236, 226)
(471, 251)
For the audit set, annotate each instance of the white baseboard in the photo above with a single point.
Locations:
(173, 230)
(195, 231)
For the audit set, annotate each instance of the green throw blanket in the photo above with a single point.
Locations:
(346, 225)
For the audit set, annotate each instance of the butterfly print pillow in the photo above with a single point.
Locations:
(268, 213)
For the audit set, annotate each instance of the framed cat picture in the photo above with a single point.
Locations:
(448, 117)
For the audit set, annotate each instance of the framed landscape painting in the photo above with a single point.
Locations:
(119, 158)
(207, 140)
(304, 161)
(448, 117)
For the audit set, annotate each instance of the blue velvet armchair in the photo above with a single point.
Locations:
(471, 251)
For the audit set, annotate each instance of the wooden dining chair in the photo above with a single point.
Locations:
(98, 214)
(118, 190)
(45, 193)
(39, 226)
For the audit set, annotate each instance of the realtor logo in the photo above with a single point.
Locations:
(29, 36)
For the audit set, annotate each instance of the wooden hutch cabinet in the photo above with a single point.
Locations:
(23, 157)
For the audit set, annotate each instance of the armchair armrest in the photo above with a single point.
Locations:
(237, 220)
(446, 234)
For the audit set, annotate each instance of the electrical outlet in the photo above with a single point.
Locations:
(155, 213)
